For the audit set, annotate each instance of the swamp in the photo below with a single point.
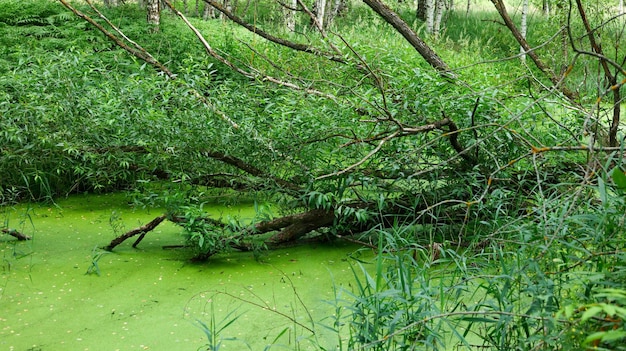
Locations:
(312, 175)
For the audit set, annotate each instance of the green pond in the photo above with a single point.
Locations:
(151, 298)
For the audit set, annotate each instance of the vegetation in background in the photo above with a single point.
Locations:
(496, 203)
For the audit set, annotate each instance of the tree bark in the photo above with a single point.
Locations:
(320, 12)
(439, 9)
(290, 16)
(16, 234)
(337, 7)
(545, 8)
(138, 231)
(153, 14)
(429, 6)
(420, 12)
(524, 28)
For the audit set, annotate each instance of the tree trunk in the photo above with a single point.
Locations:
(228, 6)
(320, 12)
(439, 8)
(524, 28)
(337, 7)
(430, 15)
(141, 231)
(545, 8)
(154, 15)
(290, 16)
(420, 13)
(208, 12)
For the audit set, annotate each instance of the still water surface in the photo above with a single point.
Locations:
(150, 298)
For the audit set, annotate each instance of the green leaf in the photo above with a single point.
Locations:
(609, 309)
(619, 178)
(613, 335)
(602, 190)
(590, 312)
(605, 336)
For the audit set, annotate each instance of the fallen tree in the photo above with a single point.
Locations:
(381, 147)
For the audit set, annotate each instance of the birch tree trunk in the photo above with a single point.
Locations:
(153, 14)
(439, 7)
(208, 12)
(290, 15)
(545, 8)
(429, 7)
(320, 12)
(524, 28)
(336, 8)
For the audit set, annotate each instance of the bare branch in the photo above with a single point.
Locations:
(422, 48)
(280, 41)
(531, 53)
(138, 51)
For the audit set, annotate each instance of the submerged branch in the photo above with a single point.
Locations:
(137, 231)
(16, 234)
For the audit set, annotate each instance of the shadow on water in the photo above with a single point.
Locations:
(148, 298)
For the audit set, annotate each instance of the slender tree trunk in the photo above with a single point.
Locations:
(524, 28)
(290, 15)
(467, 9)
(320, 12)
(430, 16)
(154, 16)
(439, 8)
(228, 6)
(336, 8)
(208, 12)
(545, 8)
(420, 13)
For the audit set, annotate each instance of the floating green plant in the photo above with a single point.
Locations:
(96, 255)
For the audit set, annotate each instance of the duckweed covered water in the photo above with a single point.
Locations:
(150, 298)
